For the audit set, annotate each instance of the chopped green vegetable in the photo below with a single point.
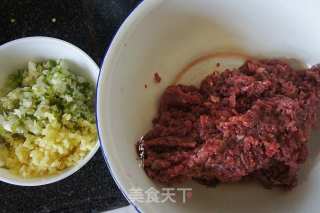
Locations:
(46, 119)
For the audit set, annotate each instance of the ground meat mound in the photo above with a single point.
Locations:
(248, 123)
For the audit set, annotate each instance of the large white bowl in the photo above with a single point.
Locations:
(15, 55)
(163, 36)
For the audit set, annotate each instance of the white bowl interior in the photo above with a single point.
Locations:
(163, 36)
(15, 55)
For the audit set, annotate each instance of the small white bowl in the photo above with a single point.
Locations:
(15, 55)
(163, 36)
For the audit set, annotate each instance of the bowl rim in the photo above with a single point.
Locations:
(141, 10)
(40, 181)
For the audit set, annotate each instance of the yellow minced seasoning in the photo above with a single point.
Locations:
(47, 120)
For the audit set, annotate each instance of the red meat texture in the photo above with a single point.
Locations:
(248, 123)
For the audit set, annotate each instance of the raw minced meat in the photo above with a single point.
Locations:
(248, 123)
(157, 77)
